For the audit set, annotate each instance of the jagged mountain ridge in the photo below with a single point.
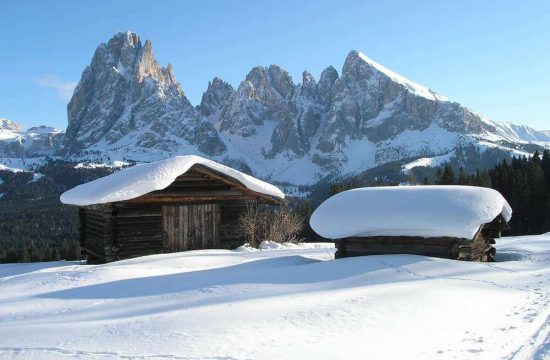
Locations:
(126, 98)
(127, 106)
(35, 141)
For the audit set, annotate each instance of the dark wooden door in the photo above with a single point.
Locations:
(190, 227)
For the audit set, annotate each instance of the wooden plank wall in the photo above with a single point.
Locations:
(191, 227)
(231, 235)
(138, 230)
(443, 247)
(96, 232)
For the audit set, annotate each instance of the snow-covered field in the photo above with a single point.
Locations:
(291, 303)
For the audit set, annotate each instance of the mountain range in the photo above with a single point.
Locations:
(128, 107)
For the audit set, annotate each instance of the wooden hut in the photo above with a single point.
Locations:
(478, 248)
(454, 222)
(178, 204)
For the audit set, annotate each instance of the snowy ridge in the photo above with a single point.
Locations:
(515, 133)
(427, 211)
(428, 162)
(141, 179)
(415, 88)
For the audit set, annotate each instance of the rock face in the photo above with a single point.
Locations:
(126, 99)
(8, 125)
(127, 106)
(216, 99)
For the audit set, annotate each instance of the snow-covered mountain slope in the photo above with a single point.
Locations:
(127, 107)
(281, 304)
(35, 141)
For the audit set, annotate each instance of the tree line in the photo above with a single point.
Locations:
(34, 224)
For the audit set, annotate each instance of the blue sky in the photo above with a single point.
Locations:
(492, 56)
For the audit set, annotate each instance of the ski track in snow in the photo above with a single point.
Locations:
(281, 304)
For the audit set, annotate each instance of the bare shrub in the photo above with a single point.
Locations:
(253, 223)
(258, 223)
(284, 226)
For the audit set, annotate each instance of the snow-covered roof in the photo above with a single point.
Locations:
(141, 179)
(427, 211)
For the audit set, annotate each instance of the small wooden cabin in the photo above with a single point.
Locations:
(199, 209)
(454, 222)
(479, 248)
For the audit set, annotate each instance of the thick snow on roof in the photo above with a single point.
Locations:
(427, 211)
(142, 179)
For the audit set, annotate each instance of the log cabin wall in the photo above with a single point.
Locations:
(97, 232)
(443, 247)
(231, 235)
(479, 248)
(138, 230)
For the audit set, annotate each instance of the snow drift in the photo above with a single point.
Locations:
(142, 179)
(291, 303)
(427, 211)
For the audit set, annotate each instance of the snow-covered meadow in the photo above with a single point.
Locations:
(281, 303)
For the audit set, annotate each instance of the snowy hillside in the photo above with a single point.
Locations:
(292, 303)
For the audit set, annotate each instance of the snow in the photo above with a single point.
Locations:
(290, 303)
(413, 87)
(517, 133)
(18, 164)
(93, 165)
(9, 134)
(428, 162)
(427, 211)
(414, 143)
(143, 178)
(360, 155)
(36, 177)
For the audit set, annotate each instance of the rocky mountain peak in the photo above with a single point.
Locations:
(36, 141)
(216, 97)
(271, 83)
(246, 90)
(7, 124)
(328, 76)
(362, 68)
(42, 129)
(281, 80)
(308, 80)
(120, 51)
(326, 80)
(126, 93)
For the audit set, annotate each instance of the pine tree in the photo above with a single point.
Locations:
(462, 177)
(545, 164)
(55, 255)
(445, 176)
